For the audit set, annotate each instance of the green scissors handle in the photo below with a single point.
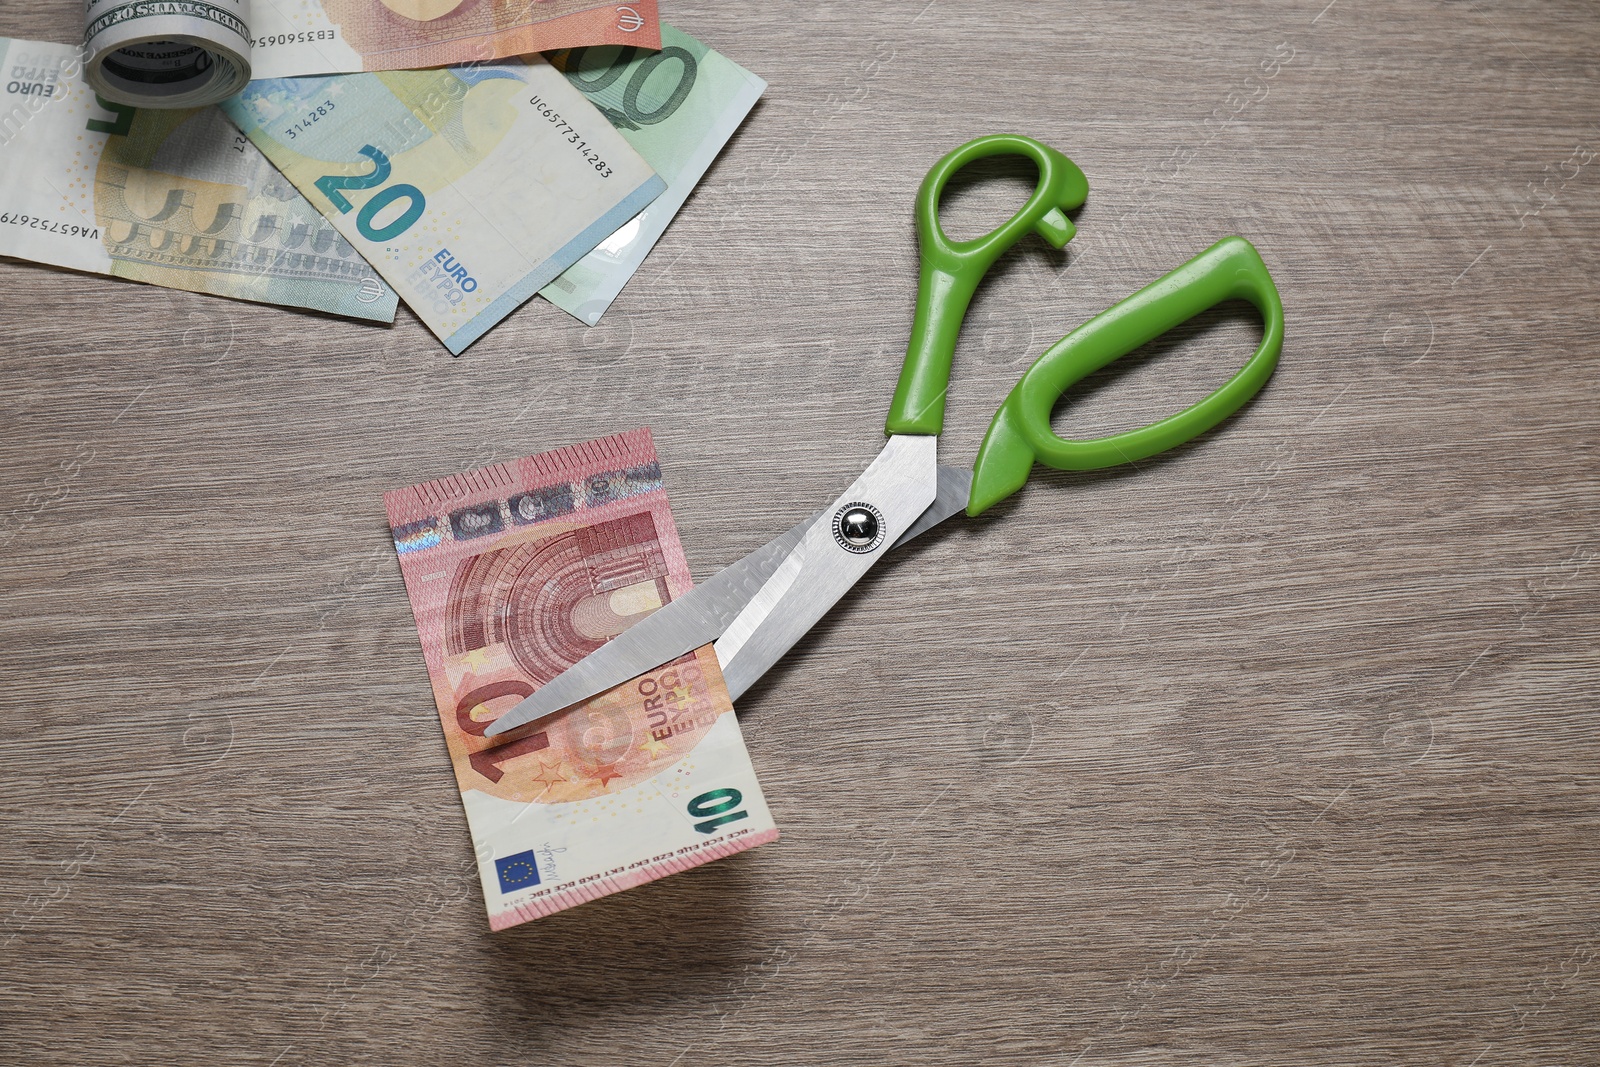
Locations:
(1021, 433)
(951, 270)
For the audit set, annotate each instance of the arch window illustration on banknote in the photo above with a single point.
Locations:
(517, 616)
(553, 601)
(182, 193)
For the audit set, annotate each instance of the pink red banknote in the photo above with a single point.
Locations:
(515, 572)
(293, 38)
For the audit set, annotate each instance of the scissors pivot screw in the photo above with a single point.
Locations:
(858, 527)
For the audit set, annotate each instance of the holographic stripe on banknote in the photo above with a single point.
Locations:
(531, 506)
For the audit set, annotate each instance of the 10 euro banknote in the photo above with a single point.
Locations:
(517, 571)
(469, 189)
(176, 198)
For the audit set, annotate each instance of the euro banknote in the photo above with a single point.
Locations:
(517, 571)
(677, 107)
(176, 198)
(468, 188)
(300, 37)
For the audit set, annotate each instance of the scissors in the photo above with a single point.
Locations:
(756, 609)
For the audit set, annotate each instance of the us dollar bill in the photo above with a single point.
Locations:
(178, 198)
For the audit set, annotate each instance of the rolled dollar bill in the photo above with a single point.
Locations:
(167, 53)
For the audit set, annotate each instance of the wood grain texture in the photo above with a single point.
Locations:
(1280, 749)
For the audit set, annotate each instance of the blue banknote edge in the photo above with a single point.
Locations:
(547, 271)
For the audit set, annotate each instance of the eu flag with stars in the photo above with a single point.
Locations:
(517, 872)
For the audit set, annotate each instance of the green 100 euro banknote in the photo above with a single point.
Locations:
(517, 571)
(678, 107)
(176, 198)
(468, 188)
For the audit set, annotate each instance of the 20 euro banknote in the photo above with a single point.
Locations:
(299, 37)
(677, 107)
(468, 188)
(517, 571)
(176, 198)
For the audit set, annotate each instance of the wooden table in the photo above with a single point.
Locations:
(1281, 749)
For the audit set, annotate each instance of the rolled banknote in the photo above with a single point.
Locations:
(468, 188)
(341, 36)
(174, 198)
(167, 53)
(677, 107)
(517, 571)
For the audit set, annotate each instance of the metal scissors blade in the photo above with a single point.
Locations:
(955, 486)
(852, 534)
(690, 621)
(702, 615)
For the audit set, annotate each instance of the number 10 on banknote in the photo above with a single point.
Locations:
(517, 571)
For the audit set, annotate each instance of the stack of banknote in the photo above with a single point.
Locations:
(329, 176)
(460, 156)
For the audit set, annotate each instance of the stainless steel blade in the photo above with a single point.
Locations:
(898, 487)
(702, 615)
(955, 486)
(694, 619)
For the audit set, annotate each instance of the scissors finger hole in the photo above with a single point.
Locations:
(1161, 377)
(984, 194)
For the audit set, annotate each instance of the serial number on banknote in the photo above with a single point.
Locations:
(311, 119)
(33, 222)
(293, 38)
(573, 136)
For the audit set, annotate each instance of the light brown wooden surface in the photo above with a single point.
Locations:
(1281, 749)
